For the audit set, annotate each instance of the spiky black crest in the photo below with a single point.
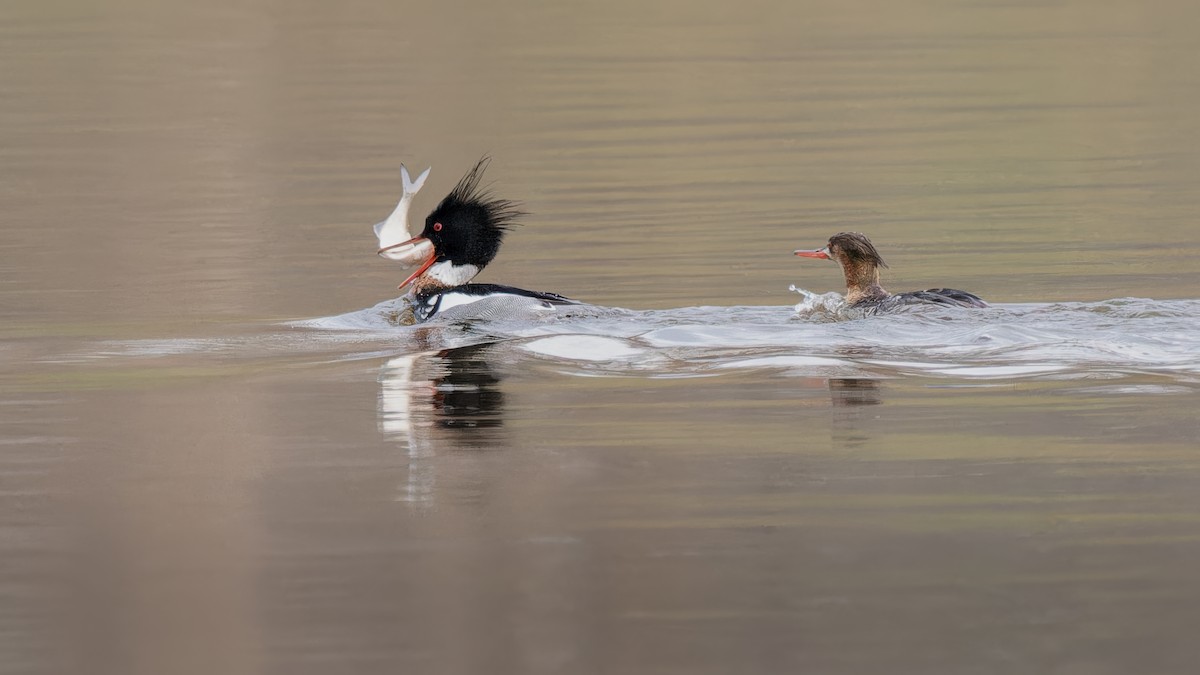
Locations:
(468, 225)
(856, 248)
(467, 201)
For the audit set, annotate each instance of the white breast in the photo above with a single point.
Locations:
(449, 274)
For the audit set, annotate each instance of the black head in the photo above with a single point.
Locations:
(467, 227)
(855, 249)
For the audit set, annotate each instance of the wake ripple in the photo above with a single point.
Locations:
(1100, 340)
(1108, 340)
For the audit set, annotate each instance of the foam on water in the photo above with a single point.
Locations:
(1100, 340)
(1111, 339)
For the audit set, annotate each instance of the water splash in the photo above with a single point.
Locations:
(819, 306)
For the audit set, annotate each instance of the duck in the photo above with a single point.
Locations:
(860, 263)
(461, 236)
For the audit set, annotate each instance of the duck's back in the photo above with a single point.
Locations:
(946, 297)
(486, 302)
(938, 296)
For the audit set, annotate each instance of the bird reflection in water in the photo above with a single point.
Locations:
(851, 398)
(853, 391)
(438, 401)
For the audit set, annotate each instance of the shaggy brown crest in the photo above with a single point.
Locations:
(855, 248)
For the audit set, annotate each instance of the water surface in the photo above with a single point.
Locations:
(216, 455)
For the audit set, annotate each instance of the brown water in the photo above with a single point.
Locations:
(187, 485)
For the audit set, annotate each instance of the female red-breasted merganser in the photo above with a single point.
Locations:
(464, 232)
(861, 262)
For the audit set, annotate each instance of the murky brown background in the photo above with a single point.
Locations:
(172, 171)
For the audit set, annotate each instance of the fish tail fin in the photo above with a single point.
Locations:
(411, 186)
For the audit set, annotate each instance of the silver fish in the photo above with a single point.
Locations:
(395, 239)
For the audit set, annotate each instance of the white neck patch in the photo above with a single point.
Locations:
(449, 274)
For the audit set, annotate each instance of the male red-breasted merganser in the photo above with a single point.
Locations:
(465, 231)
(861, 262)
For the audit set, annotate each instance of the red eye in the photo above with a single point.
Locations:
(437, 227)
